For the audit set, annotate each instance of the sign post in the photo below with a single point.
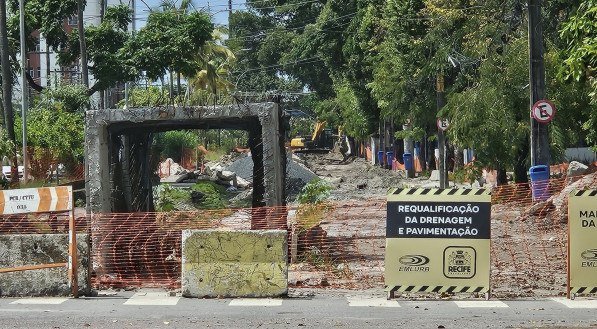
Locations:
(45, 200)
(442, 125)
(582, 245)
(438, 240)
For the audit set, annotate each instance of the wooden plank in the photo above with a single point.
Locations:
(32, 267)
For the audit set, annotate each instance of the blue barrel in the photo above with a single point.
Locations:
(408, 161)
(539, 182)
(389, 159)
(380, 158)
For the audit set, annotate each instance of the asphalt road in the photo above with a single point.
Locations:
(151, 309)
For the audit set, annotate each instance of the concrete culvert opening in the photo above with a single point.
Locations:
(121, 147)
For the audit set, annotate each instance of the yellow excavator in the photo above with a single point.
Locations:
(320, 142)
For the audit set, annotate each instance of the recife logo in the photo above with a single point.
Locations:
(413, 263)
(460, 262)
(589, 258)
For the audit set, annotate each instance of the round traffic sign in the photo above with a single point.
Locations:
(543, 111)
(443, 124)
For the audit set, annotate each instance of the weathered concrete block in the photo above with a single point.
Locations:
(35, 249)
(234, 263)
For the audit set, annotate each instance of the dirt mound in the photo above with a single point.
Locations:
(353, 179)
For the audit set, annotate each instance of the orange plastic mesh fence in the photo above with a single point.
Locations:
(144, 249)
(336, 244)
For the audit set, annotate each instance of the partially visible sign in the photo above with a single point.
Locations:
(443, 124)
(582, 242)
(437, 240)
(34, 200)
(543, 111)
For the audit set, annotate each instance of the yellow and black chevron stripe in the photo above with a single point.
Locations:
(437, 194)
(440, 289)
(584, 193)
(583, 290)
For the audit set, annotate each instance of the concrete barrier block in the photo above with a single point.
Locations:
(36, 249)
(234, 263)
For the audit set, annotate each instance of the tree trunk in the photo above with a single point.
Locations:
(521, 166)
(431, 165)
(48, 66)
(82, 44)
(171, 88)
(458, 158)
(502, 178)
(7, 92)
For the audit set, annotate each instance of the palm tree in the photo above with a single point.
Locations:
(216, 60)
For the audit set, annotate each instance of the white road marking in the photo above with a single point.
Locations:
(577, 303)
(365, 301)
(152, 299)
(480, 303)
(40, 301)
(255, 302)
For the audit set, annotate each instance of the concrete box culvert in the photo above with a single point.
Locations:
(36, 249)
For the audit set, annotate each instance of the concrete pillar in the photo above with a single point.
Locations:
(274, 156)
(97, 164)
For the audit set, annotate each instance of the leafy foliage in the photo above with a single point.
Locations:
(211, 195)
(170, 41)
(141, 97)
(64, 137)
(173, 142)
(105, 49)
(202, 195)
(70, 98)
(6, 146)
(315, 192)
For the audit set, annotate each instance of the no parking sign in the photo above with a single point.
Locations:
(543, 111)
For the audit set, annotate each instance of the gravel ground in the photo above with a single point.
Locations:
(297, 174)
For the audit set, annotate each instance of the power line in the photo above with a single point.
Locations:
(263, 32)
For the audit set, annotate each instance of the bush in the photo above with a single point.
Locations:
(315, 192)
(210, 195)
(313, 208)
(56, 130)
(69, 98)
(202, 195)
(6, 146)
(172, 143)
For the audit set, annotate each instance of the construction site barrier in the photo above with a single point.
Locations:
(337, 244)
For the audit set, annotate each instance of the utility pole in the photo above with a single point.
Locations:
(539, 132)
(24, 87)
(134, 18)
(133, 28)
(82, 44)
(441, 139)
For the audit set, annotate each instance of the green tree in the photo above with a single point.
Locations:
(109, 62)
(580, 58)
(170, 42)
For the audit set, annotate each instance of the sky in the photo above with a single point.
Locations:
(218, 8)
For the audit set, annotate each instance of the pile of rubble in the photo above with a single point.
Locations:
(212, 171)
(235, 171)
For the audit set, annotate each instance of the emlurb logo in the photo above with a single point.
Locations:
(414, 260)
(590, 254)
